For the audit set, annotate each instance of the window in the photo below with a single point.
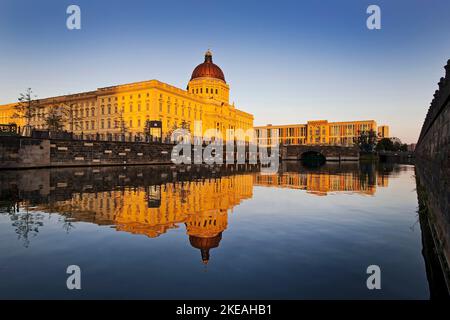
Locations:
(131, 108)
(217, 91)
(92, 111)
(131, 123)
(148, 106)
(103, 110)
(109, 109)
(139, 123)
(92, 125)
(109, 123)
(103, 124)
(139, 107)
(206, 90)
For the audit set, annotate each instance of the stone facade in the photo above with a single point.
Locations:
(331, 153)
(22, 152)
(16, 152)
(434, 140)
(94, 153)
(433, 171)
(124, 110)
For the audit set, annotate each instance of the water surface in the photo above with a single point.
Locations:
(211, 232)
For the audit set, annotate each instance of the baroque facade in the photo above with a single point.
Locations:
(123, 111)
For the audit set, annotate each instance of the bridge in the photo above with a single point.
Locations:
(330, 153)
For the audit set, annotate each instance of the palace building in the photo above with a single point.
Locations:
(319, 132)
(123, 112)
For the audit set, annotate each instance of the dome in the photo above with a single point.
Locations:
(208, 69)
(205, 244)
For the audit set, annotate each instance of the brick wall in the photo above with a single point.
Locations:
(94, 153)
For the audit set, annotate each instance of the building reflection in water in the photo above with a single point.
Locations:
(352, 178)
(152, 200)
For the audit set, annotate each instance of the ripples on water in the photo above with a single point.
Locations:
(211, 232)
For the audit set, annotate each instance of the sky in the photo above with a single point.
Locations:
(285, 61)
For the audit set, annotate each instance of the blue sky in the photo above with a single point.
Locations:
(286, 61)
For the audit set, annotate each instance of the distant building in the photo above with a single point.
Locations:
(383, 131)
(319, 132)
(412, 147)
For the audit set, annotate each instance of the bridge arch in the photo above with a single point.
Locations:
(330, 153)
(313, 157)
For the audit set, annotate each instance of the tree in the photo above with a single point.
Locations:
(72, 117)
(183, 125)
(121, 125)
(389, 144)
(366, 141)
(404, 147)
(26, 108)
(55, 120)
(385, 144)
